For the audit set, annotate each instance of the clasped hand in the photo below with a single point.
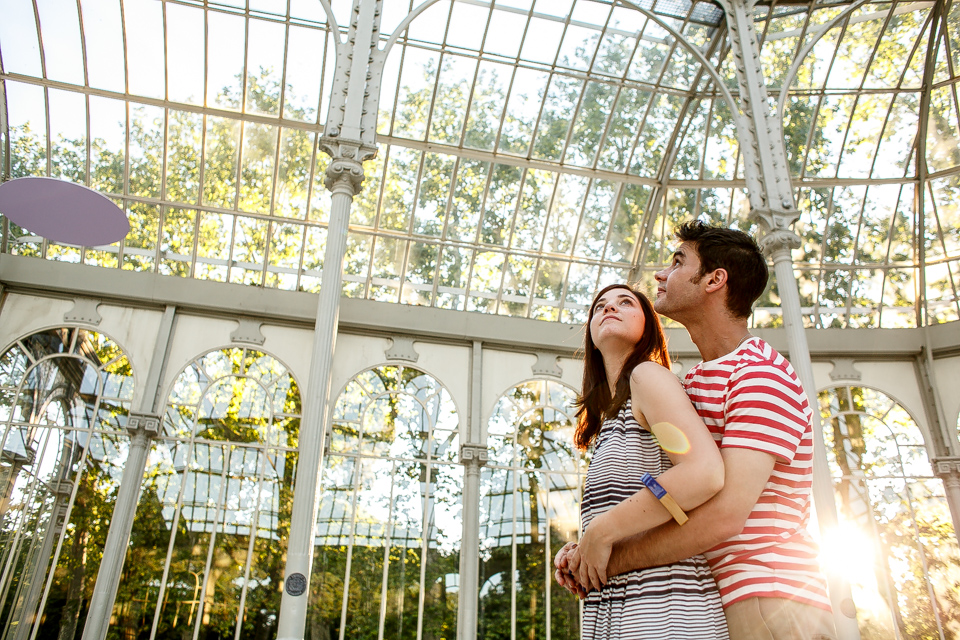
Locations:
(582, 567)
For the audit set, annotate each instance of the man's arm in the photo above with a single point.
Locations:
(745, 474)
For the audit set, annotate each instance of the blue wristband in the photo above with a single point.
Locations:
(654, 486)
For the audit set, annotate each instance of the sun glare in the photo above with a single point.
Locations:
(670, 438)
(850, 553)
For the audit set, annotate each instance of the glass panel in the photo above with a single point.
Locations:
(485, 281)
(529, 433)
(184, 136)
(450, 102)
(558, 112)
(419, 72)
(18, 39)
(185, 34)
(385, 269)
(452, 277)
(942, 130)
(108, 125)
(435, 179)
(523, 108)
(625, 121)
(401, 188)
(356, 264)
(68, 136)
(293, 176)
(257, 167)
(64, 451)
(591, 122)
(286, 244)
(225, 44)
(305, 47)
(655, 134)
(62, 55)
(420, 275)
(895, 539)
(143, 30)
(534, 202)
(220, 162)
(213, 245)
(264, 67)
(146, 150)
(488, 100)
(372, 511)
(471, 179)
(501, 204)
(597, 214)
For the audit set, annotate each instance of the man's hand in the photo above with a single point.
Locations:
(562, 575)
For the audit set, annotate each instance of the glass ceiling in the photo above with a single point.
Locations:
(530, 151)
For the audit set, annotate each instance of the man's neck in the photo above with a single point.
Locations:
(717, 337)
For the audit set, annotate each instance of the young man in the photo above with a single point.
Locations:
(753, 532)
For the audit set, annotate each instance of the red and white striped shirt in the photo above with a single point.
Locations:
(752, 399)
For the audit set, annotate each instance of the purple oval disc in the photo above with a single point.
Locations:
(63, 211)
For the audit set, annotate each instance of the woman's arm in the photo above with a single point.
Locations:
(658, 399)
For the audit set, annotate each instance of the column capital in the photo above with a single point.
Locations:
(345, 172)
(946, 468)
(473, 455)
(143, 424)
(777, 239)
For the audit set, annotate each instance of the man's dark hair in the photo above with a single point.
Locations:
(735, 252)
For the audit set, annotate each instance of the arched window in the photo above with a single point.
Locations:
(529, 507)
(64, 399)
(896, 542)
(206, 553)
(387, 561)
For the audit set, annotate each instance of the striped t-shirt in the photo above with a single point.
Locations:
(752, 399)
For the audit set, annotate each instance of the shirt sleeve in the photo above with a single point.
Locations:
(765, 410)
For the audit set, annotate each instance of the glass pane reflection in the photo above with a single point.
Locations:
(206, 554)
(387, 555)
(529, 508)
(62, 452)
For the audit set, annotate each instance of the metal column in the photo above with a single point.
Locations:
(142, 425)
(349, 139)
(473, 455)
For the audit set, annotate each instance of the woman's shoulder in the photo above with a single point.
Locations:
(651, 371)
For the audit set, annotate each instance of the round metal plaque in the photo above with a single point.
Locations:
(296, 584)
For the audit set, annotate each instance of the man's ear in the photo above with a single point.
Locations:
(715, 280)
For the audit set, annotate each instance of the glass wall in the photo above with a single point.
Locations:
(206, 552)
(389, 525)
(529, 152)
(529, 508)
(64, 399)
(895, 542)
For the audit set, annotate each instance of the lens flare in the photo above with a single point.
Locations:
(670, 438)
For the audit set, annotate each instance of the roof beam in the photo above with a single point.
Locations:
(48, 278)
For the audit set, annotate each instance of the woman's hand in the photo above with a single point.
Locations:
(563, 575)
(588, 562)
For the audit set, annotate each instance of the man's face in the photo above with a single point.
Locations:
(678, 290)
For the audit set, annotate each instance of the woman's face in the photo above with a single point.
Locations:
(616, 319)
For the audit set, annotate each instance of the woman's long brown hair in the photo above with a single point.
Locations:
(595, 404)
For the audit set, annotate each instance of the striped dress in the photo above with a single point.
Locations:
(677, 601)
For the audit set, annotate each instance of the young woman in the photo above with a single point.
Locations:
(635, 412)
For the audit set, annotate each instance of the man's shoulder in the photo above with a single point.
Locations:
(759, 354)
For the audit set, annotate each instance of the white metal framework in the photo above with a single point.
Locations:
(500, 157)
